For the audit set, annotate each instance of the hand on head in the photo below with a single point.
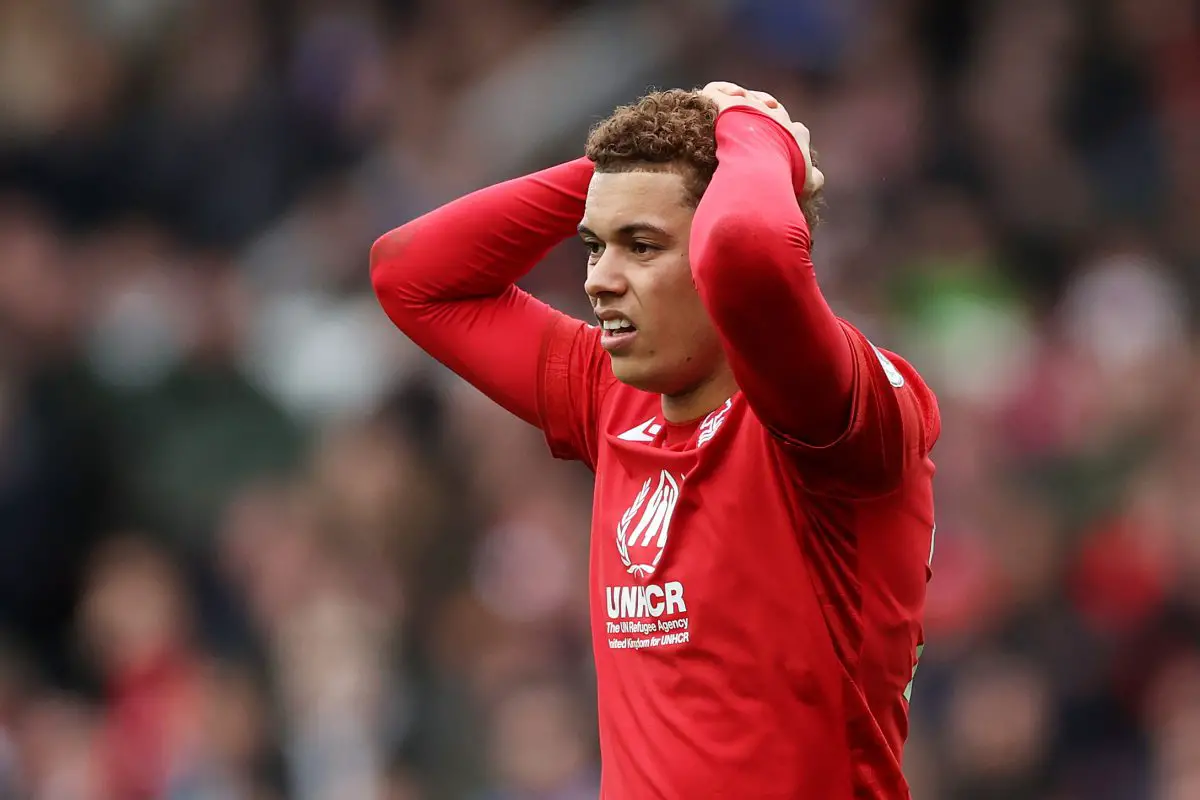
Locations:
(727, 95)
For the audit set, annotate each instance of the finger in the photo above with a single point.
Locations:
(767, 99)
(802, 134)
(815, 182)
(725, 87)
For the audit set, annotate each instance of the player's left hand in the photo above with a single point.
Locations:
(727, 95)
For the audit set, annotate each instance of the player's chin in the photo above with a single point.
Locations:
(644, 373)
(632, 369)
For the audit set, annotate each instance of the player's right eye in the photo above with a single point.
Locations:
(594, 248)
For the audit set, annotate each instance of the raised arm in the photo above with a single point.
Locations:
(813, 380)
(751, 259)
(447, 280)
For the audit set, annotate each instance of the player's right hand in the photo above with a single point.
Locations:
(727, 95)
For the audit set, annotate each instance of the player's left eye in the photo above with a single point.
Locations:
(642, 248)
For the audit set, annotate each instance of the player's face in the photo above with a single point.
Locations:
(636, 226)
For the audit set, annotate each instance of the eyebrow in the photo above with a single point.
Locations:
(626, 231)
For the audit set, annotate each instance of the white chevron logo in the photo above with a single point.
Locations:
(642, 433)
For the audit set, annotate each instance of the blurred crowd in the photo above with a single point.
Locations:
(253, 544)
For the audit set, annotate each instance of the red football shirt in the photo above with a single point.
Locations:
(754, 633)
(756, 601)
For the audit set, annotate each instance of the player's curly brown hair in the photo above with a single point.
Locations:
(674, 127)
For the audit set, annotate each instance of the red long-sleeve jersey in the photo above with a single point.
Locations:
(757, 576)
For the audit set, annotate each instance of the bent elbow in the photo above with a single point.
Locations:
(396, 276)
(387, 258)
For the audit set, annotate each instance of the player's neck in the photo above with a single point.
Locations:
(702, 399)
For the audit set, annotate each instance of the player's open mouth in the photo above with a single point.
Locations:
(618, 325)
(617, 333)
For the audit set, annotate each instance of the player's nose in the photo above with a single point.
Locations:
(605, 277)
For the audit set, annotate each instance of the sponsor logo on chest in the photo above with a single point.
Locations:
(642, 615)
(644, 527)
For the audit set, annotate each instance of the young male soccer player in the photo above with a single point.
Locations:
(763, 514)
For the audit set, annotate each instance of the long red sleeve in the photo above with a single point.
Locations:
(750, 252)
(852, 418)
(447, 280)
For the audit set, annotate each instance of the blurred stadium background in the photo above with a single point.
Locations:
(254, 545)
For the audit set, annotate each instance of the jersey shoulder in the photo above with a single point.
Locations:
(904, 378)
